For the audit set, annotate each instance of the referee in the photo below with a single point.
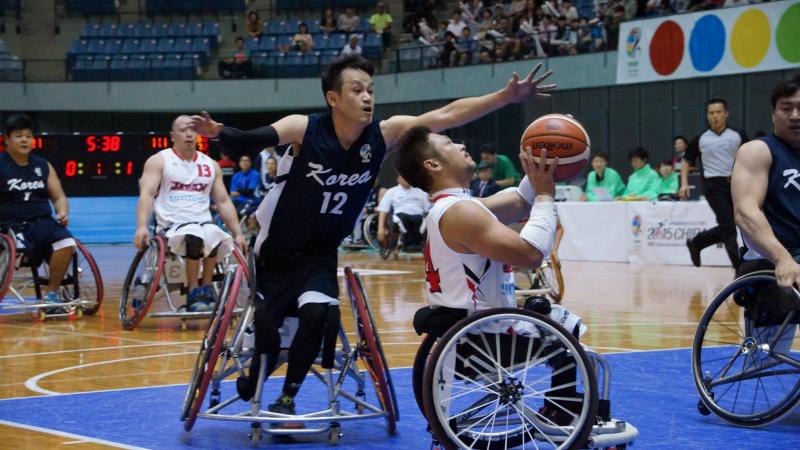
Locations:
(716, 148)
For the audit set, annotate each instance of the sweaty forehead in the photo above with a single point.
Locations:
(180, 123)
(355, 76)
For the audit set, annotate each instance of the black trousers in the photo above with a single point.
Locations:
(718, 194)
(412, 224)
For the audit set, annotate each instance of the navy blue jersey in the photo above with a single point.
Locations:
(23, 190)
(322, 191)
(782, 202)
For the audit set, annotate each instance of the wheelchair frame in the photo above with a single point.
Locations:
(70, 286)
(337, 366)
(155, 280)
(543, 284)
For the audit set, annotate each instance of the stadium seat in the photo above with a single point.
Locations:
(148, 46)
(131, 46)
(138, 68)
(85, 7)
(119, 68)
(96, 46)
(166, 45)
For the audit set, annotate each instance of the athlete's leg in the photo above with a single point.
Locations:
(59, 263)
(194, 251)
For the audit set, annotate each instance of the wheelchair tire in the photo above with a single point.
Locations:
(131, 315)
(442, 429)
(371, 349)
(725, 342)
(370, 230)
(418, 370)
(210, 349)
(86, 261)
(8, 257)
(552, 272)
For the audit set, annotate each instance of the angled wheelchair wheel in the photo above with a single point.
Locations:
(8, 256)
(370, 230)
(371, 349)
(743, 363)
(88, 283)
(418, 370)
(490, 388)
(555, 281)
(210, 349)
(141, 283)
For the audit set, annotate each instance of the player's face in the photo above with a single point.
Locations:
(20, 142)
(355, 98)
(786, 118)
(717, 116)
(598, 164)
(454, 156)
(183, 136)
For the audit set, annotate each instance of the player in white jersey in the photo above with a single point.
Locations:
(179, 183)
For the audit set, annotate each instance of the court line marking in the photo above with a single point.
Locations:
(95, 349)
(81, 439)
(75, 442)
(32, 383)
(53, 330)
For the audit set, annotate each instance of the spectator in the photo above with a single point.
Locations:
(348, 21)
(269, 179)
(504, 174)
(381, 23)
(426, 33)
(484, 186)
(302, 42)
(547, 32)
(472, 11)
(568, 10)
(227, 167)
(440, 32)
(566, 40)
(238, 65)
(352, 47)
(244, 185)
(550, 8)
(409, 205)
(468, 44)
(679, 144)
(254, 25)
(327, 24)
(487, 21)
(644, 183)
(603, 182)
(516, 7)
(669, 181)
(598, 32)
(499, 12)
(506, 45)
(612, 26)
(262, 161)
(452, 54)
(456, 23)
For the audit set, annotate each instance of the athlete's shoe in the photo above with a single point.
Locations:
(694, 252)
(285, 405)
(201, 299)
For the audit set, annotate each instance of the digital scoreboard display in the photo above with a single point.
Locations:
(101, 164)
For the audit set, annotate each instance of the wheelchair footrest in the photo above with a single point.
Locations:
(612, 433)
(40, 305)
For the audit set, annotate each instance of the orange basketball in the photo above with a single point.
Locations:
(563, 137)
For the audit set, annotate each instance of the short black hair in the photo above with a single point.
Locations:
(719, 100)
(489, 148)
(640, 153)
(16, 122)
(666, 162)
(681, 137)
(600, 155)
(238, 38)
(332, 76)
(413, 148)
(785, 88)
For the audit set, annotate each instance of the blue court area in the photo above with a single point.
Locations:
(103, 220)
(652, 390)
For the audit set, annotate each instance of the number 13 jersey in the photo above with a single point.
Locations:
(320, 193)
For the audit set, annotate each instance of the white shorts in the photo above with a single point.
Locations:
(211, 234)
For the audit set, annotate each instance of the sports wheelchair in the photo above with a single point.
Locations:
(226, 352)
(81, 290)
(510, 377)
(547, 281)
(743, 361)
(157, 274)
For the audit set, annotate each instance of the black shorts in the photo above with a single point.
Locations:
(282, 277)
(36, 238)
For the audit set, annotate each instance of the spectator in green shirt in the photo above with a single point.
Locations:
(644, 183)
(669, 179)
(381, 23)
(505, 174)
(602, 177)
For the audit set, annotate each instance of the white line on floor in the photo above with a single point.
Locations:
(69, 435)
(96, 349)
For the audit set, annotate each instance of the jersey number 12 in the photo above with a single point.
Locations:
(339, 198)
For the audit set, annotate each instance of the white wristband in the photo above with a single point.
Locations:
(525, 190)
(540, 231)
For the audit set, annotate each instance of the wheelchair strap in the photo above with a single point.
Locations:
(184, 224)
(332, 325)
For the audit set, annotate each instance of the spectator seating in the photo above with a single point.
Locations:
(85, 7)
(338, 5)
(11, 67)
(150, 51)
(193, 6)
(10, 6)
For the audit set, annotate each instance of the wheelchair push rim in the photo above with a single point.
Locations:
(370, 231)
(371, 349)
(513, 387)
(8, 256)
(418, 370)
(555, 281)
(131, 314)
(740, 377)
(87, 267)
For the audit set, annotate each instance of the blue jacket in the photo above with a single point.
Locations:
(246, 185)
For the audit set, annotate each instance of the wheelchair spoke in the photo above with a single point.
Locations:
(721, 342)
(736, 315)
(723, 324)
(478, 407)
(533, 424)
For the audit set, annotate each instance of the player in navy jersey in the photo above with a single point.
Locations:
(28, 183)
(766, 189)
(323, 183)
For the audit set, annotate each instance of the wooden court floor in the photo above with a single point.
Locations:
(626, 307)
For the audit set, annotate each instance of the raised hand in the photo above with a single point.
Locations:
(204, 125)
(539, 174)
(518, 91)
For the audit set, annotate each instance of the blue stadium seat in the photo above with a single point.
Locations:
(251, 43)
(96, 46)
(166, 45)
(372, 46)
(313, 26)
(148, 46)
(328, 56)
(322, 42)
(11, 69)
(276, 27)
(183, 45)
(268, 43)
(195, 29)
(311, 65)
(91, 30)
(78, 7)
(211, 31)
(126, 30)
(363, 26)
(156, 64)
(290, 65)
(337, 40)
(284, 41)
(201, 45)
(160, 30)
(118, 68)
(131, 46)
(143, 30)
(113, 46)
(138, 68)
(177, 30)
(77, 47)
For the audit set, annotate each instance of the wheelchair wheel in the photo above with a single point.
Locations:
(555, 281)
(370, 230)
(89, 283)
(8, 256)
(370, 348)
(141, 283)
(485, 387)
(418, 370)
(210, 349)
(742, 360)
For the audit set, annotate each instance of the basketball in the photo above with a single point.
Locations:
(563, 137)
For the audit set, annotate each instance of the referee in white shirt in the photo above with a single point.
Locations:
(716, 149)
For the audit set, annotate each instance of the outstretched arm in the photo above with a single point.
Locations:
(468, 109)
(749, 189)
(288, 130)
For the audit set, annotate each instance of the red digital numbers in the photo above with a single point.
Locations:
(103, 143)
(159, 143)
(129, 168)
(71, 168)
(202, 144)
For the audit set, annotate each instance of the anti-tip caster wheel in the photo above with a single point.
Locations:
(255, 433)
(184, 325)
(334, 435)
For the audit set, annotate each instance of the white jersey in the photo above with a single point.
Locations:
(459, 280)
(412, 201)
(184, 195)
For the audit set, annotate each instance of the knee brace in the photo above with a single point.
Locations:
(194, 246)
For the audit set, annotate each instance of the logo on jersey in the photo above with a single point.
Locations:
(16, 184)
(431, 275)
(792, 175)
(194, 187)
(341, 179)
(38, 171)
(366, 153)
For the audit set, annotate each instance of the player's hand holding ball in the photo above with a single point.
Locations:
(539, 173)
